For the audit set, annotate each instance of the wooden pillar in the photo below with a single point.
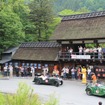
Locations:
(96, 42)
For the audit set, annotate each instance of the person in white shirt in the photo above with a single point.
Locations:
(99, 52)
(33, 71)
(80, 50)
(11, 70)
(89, 73)
(45, 70)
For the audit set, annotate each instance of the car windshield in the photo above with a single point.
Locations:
(97, 84)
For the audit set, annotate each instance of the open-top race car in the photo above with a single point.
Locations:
(97, 89)
(55, 81)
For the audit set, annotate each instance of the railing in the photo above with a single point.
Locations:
(76, 55)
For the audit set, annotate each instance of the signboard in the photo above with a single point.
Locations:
(39, 66)
(27, 64)
(23, 64)
(31, 64)
(35, 65)
(80, 57)
(100, 71)
(46, 65)
(16, 64)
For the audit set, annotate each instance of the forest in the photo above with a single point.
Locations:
(75, 5)
(36, 20)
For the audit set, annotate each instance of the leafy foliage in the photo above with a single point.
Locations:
(25, 96)
(42, 16)
(33, 20)
(75, 5)
(11, 29)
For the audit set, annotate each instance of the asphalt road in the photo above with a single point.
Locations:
(72, 92)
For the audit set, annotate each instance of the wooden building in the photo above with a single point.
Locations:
(6, 57)
(79, 30)
(38, 54)
(73, 31)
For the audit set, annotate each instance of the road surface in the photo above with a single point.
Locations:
(72, 92)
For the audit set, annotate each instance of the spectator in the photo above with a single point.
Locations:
(95, 52)
(45, 70)
(32, 71)
(73, 73)
(84, 51)
(64, 72)
(67, 72)
(99, 52)
(89, 73)
(79, 73)
(70, 50)
(94, 78)
(80, 50)
(17, 71)
(5, 70)
(11, 70)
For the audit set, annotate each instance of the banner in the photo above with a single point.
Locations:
(80, 56)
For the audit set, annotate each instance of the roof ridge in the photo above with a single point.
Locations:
(40, 44)
(84, 15)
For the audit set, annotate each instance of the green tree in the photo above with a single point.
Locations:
(42, 16)
(71, 12)
(83, 10)
(67, 12)
(11, 28)
(21, 8)
(13, 23)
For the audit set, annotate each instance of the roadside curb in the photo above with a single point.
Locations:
(4, 78)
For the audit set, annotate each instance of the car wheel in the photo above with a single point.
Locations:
(88, 92)
(61, 82)
(38, 82)
(56, 84)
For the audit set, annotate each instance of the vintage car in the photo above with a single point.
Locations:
(55, 81)
(97, 89)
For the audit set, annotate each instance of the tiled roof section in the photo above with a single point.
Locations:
(39, 44)
(83, 16)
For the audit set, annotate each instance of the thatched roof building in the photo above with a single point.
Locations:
(37, 51)
(88, 26)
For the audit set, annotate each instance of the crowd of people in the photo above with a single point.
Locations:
(98, 52)
(18, 71)
(66, 73)
(73, 72)
(76, 73)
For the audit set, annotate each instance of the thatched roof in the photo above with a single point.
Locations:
(38, 51)
(81, 26)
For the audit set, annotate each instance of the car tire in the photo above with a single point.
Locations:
(37, 82)
(56, 84)
(61, 82)
(88, 92)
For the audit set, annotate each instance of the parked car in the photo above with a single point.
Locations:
(55, 81)
(97, 89)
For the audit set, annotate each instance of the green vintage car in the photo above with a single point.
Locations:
(97, 89)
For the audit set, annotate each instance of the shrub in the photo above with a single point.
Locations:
(25, 96)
